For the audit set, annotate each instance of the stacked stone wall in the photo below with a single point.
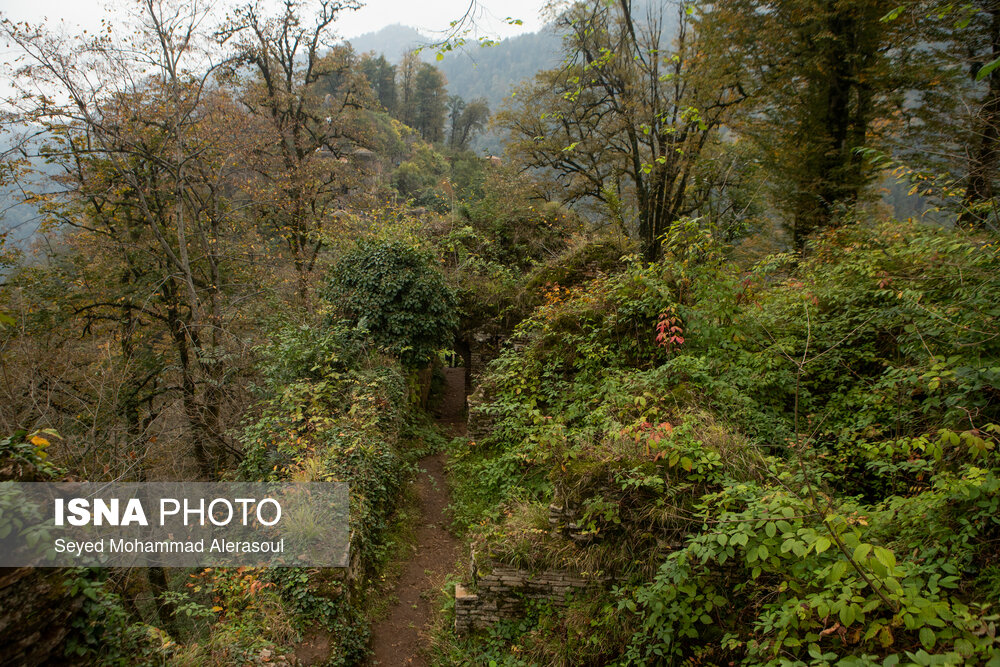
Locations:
(479, 423)
(503, 593)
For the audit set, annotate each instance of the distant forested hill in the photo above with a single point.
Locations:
(492, 72)
(489, 72)
(391, 41)
(18, 221)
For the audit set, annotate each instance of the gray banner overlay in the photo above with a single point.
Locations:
(174, 524)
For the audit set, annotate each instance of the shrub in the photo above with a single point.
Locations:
(787, 464)
(395, 292)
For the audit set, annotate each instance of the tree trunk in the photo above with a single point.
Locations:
(985, 155)
(165, 610)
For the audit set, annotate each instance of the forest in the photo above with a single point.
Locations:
(702, 369)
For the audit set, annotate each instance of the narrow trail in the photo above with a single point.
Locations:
(399, 639)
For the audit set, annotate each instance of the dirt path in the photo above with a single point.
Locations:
(400, 638)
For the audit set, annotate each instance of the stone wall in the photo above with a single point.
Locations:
(484, 348)
(479, 423)
(503, 593)
(563, 518)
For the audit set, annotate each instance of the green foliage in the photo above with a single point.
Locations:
(394, 291)
(468, 175)
(299, 353)
(850, 71)
(330, 410)
(428, 100)
(437, 181)
(381, 77)
(513, 226)
(504, 244)
(418, 177)
(790, 463)
(102, 633)
(23, 456)
(773, 579)
(302, 594)
(490, 650)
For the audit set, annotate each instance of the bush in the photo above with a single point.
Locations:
(331, 409)
(786, 464)
(395, 292)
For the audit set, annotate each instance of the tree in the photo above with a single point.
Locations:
(406, 79)
(312, 111)
(623, 121)
(429, 103)
(956, 116)
(147, 163)
(466, 120)
(13, 167)
(381, 77)
(456, 105)
(826, 79)
(421, 172)
(983, 47)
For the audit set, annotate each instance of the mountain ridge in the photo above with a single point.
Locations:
(471, 72)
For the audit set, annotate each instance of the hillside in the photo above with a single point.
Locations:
(492, 72)
(703, 371)
(489, 72)
(393, 41)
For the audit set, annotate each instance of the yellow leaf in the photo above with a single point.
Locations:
(216, 608)
(39, 441)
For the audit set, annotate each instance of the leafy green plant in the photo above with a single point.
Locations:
(394, 291)
(809, 477)
(23, 456)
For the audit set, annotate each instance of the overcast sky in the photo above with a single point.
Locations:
(431, 17)
(425, 15)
